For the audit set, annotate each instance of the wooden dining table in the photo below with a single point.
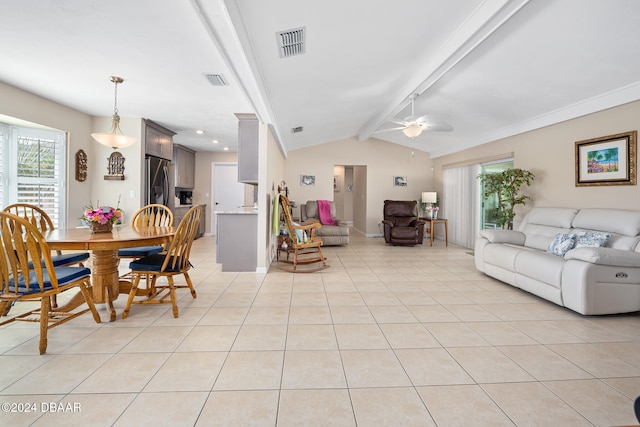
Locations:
(106, 283)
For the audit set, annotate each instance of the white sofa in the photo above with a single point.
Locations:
(587, 279)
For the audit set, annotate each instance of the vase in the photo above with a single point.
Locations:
(434, 215)
(101, 228)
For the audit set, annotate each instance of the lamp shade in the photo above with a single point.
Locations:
(429, 197)
(115, 138)
(412, 130)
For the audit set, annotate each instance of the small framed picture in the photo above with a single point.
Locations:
(307, 180)
(336, 183)
(608, 160)
(399, 181)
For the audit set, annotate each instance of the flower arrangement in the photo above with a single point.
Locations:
(101, 215)
(431, 211)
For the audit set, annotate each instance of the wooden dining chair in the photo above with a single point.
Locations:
(27, 273)
(303, 242)
(150, 215)
(168, 264)
(42, 221)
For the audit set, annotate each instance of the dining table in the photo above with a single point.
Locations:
(106, 283)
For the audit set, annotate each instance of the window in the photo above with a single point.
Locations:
(32, 169)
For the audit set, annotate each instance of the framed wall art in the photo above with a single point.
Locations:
(307, 180)
(399, 181)
(608, 160)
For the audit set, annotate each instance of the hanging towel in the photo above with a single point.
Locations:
(275, 215)
(324, 212)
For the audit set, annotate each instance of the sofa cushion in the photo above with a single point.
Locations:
(541, 236)
(605, 256)
(611, 220)
(333, 230)
(540, 266)
(561, 244)
(552, 217)
(503, 236)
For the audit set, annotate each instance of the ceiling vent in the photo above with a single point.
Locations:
(216, 79)
(297, 129)
(291, 42)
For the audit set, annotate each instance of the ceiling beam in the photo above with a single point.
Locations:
(483, 22)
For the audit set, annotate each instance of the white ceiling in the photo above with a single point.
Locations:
(491, 68)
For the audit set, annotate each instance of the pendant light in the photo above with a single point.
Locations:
(115, 138)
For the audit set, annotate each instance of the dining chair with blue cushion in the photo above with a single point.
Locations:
(150, 215)
(27, 273)
(172, 262)
(42, 221)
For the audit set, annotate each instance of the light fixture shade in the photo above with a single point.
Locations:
(115, 138)
(429, 197)
(412, 131)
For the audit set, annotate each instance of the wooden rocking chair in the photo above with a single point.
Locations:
(303, 242)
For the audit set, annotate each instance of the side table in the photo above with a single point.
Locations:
(431, 223)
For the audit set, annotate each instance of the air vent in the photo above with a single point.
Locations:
(216, 79)
(296, 129)
(291, 42)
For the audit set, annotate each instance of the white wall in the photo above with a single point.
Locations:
(550, 154)
(106, 192)
(27, 106)
(380, 160)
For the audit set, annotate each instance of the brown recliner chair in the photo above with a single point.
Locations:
(401, 223)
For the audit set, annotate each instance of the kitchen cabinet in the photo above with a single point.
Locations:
(248, 146)
(236, 240)
(184, 160)
(158, 140)
(180, 211)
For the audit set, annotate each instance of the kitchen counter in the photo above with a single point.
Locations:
(236, 239)
(239, 211)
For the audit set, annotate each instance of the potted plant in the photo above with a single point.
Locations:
(505, 186)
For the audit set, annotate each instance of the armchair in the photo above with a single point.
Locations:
(401, 223)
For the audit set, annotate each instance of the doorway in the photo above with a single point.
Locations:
(227, 194)
(350, 195)
(490, 204)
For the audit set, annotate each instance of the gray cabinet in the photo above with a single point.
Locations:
(248, 138)
(202, 227)
(236, 241)
(184, 160)
(158, 140)
(180, 211)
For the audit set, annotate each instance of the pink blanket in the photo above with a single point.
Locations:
(324, 212)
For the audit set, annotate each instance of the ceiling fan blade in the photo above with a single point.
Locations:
(385, 130)
(397, 121)
(437, 127)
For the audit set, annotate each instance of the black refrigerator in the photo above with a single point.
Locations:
(158, 188)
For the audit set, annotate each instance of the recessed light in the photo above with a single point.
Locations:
(199, 131)
(226, 148)
(215, 141)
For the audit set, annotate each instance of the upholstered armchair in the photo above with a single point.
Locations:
(401, 223)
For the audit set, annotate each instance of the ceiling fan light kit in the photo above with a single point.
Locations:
(413, 125)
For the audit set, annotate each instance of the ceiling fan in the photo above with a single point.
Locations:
(413, 126)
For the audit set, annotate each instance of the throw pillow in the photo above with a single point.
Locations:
(302, 236)
(561, 244)
(591, 239)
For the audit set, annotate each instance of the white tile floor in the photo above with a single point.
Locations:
(387, 336)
